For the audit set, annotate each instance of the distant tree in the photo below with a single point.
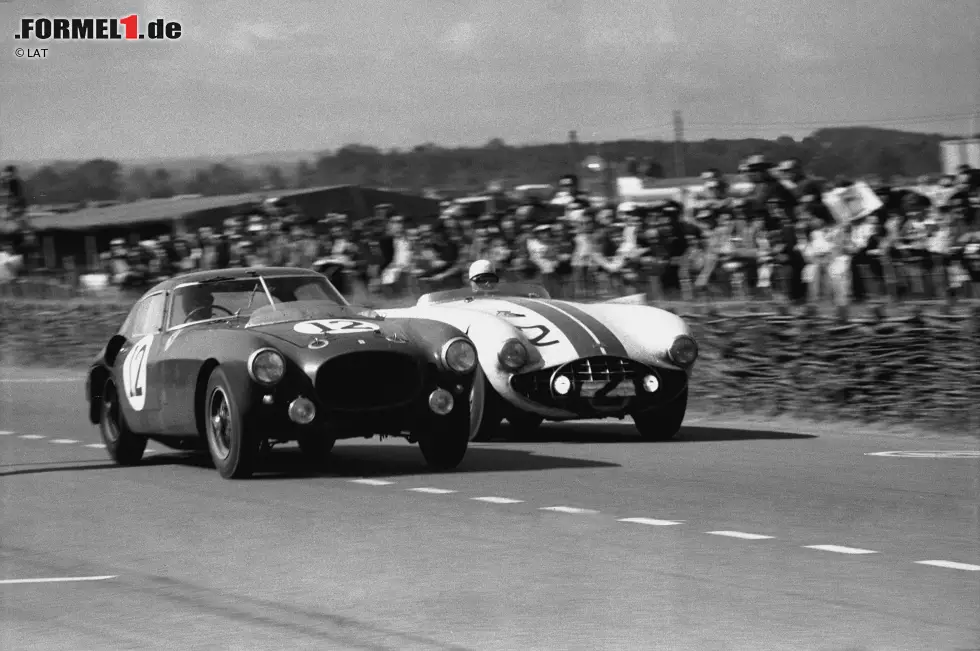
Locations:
(273, 177)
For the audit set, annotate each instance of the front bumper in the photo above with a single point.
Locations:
(392, 413)
(601, 387)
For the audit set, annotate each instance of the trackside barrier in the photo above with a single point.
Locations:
(900, 364)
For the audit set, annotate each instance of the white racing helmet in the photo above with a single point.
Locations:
(481, 269)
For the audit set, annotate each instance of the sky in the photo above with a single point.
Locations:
(297, 75)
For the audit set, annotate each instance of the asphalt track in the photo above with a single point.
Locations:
(721, 557)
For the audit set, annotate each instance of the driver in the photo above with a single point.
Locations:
(197, 300)
(483, 276)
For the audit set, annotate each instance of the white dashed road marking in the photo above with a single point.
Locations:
(928, 454)
(567, 509)
(41, 380)
(951, 565)
(58, 579)
(840, 550)
(650, 521)
(489, 499)
(740, 534)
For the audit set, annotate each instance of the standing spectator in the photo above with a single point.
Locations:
(11, 263)
(16, 195)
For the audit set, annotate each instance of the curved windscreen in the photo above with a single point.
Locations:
(241, 297)
(525, 290)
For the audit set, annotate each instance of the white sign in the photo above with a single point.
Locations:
(929, 454)
(853, 202)
(134, 373)
(335, 327)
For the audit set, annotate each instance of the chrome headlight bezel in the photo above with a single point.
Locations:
(261, 376)
(514, 345)
(683, 351)
(452, 362)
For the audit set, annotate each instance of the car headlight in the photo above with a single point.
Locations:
(684, 351)
(266, 366)
(512, 355)
(459, 355)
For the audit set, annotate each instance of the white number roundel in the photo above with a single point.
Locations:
(134, 373)
(335, 327)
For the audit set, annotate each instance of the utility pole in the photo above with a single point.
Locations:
(678, 145)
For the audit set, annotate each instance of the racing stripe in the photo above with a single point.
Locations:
(608, 341)
(586, 344)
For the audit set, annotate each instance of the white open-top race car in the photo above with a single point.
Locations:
(543, 358)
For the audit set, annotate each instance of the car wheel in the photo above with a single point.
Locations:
(316, 447)
(486, 426)
(662, 424)
(444, 440)
(124, 447)
(233, 445)
(524, 423)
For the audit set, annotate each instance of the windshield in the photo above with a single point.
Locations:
(526, 290)
(240, 297)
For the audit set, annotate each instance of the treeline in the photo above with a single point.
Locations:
(849, 152)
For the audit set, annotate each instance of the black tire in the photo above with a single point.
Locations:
(316, 448)
(444, 439)
(232, 442)
(493, 413)
(124, 447)
(523, 423)
(662, 424)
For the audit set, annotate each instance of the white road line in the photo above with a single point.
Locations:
(433, 491)
(372, 482)
(650, 521)
(45, 380)
(58, 579)
(567, 509)
(740, 534)
(31, 437)
(840, 550)
(4, 432)
(63, 441)
(951, 565)
(96, 446)
(497, 500)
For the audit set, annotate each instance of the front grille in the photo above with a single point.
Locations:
(605, 370)
(369, 380)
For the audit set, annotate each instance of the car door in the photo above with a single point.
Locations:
(139, 368)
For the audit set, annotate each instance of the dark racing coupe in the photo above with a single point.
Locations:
(237, 360)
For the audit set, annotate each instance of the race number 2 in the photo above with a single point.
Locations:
(538, 334)
(134, 373)
(334, 327)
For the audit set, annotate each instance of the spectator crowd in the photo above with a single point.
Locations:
(776, 236)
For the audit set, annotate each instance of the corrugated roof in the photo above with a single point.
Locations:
(155, 210)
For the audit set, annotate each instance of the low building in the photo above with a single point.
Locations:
(83, 233)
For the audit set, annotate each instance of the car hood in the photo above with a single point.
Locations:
(563, 330)
(335, 329)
